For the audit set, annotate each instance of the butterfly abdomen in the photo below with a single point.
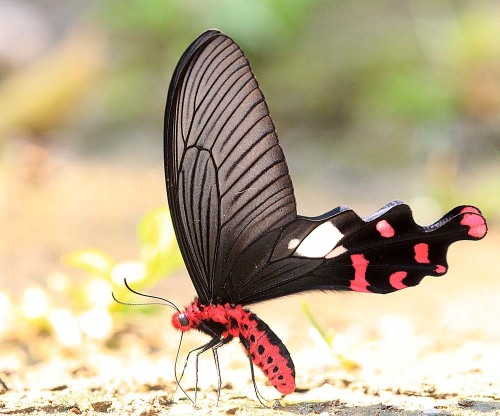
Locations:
(264, 347)
(266, 350)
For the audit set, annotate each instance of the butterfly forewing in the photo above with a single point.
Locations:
(227, 180)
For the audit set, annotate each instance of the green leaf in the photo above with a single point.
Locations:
(156, 229)
(327, 337)
(91, 260)
(159, 251)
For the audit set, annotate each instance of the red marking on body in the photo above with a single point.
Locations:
(264, 347)
(396, 280)
(385, 229)
(360, 264)
(440, 269)
(422, 253)
(267, 352)
(476, 224)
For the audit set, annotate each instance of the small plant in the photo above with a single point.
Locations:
(158, 257)
(328, 337)
(74, 310)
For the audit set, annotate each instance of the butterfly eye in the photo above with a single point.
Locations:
(183, 319)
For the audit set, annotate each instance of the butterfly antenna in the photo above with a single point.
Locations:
(136, 304)
(166, 302)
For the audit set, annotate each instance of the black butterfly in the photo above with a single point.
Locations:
(234, 213)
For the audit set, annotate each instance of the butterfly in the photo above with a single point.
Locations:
(234, 213)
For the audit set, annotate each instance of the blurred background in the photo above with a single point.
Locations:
(373, 101)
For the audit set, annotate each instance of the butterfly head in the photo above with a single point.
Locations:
(188, 319)
(181, 321)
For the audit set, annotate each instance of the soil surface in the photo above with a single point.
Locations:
(415, 356)
(429, 350)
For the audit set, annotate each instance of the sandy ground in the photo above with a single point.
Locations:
(430, 350)
(403, 370)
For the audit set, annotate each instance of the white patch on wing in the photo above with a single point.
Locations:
(293, 243)
(337, 251)
(320, 241)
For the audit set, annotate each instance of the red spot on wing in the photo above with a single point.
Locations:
(385, 229)
(469, 209)
(475, 222)
(422, 253)
(360, 264)
(440, 269)
(396, 280)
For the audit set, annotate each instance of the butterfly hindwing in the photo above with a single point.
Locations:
(227, 179)
(383, 253)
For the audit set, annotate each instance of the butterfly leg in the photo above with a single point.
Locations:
(211, 344)
(259, 395)
(214, 341)
(217, 366)
(178, 379)
(216, 359)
